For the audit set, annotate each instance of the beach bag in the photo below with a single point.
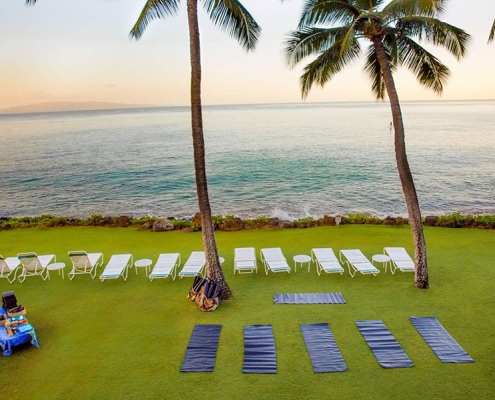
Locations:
(196, 288)
(205, 293)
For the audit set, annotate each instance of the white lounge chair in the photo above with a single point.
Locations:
(118, 265)
(34, 265)
(165, 266)
(8, 267)
(84, 263)
(357, 262)
(245, 260)
(194, 265)
(273, 259)
(400, 259)
(326, 261)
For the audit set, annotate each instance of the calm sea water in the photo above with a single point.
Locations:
(286, 160)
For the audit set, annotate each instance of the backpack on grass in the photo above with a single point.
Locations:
(205, 292)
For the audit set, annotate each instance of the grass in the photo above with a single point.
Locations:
(126, 340)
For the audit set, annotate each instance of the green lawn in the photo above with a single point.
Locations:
(121, 339)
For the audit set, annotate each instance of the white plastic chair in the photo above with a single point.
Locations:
(400, 259)
(117, 266)
(357, 262)
(326, 261)
(245, 260)
(9, 266)
(165, 266)
(34, 265)
(194, 265)
(84, 263)
(273, 259)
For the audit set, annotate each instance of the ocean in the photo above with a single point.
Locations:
(284, 160)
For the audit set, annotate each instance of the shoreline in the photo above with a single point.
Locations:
(233, 223)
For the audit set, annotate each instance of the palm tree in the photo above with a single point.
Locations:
(231, 16)
(492, 33)
(389, 31)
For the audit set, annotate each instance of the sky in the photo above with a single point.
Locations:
(80, 50)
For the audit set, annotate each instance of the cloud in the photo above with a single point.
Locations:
(111, 86)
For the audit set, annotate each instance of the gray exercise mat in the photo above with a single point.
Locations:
(309, 298)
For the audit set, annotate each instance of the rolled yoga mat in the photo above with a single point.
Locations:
(387, 351)
(443, 345)
(309, 298)
(323, 351)
(260, 356)
(201, 351)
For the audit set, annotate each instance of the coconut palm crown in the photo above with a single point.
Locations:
(334, 32)
(394, 26)
(231, 16)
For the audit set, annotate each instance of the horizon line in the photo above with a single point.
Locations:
(130, 106)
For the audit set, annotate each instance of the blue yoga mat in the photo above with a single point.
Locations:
(440, 341)
(260, 356)
(309, 298)
(202, 349)
(387, 351)
(323, 351)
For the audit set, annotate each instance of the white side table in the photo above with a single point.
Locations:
(383, 259)
(59, 266)
(143, 263)
(302, 259)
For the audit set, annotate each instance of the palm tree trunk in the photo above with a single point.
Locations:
(412, 202)
(213, 267)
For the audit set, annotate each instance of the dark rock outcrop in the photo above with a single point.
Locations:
(389, 221)
(273, 222)
(162, 226)
(431, 220)
(196, 220)
(123, 221)
(235, 224)
(326, 220)
(285, 224)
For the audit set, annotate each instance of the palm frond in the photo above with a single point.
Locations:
(368, 5)
(329, 63)
(403, 8)
(328, 12)
(30, 2)
(231, 16)
(374, 73)
(429, 70)
(372, 66)
(349, 37)
(390, 43)
(439, 33)
(492, 33)
(307, 41)
(153, 9)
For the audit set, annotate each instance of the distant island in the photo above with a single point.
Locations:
(60, 106)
